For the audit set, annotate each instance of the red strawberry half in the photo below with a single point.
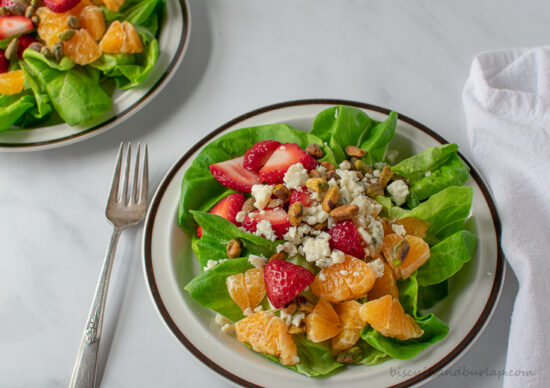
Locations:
(12, 25)
(4, 63)
(61, 5)
(227, 208)
(232, 174)
(24, 41)
(301, 196)
(8, 3)
(257, 155)
(278, 218)
(284, 281)
(344, 236)
(285, 156)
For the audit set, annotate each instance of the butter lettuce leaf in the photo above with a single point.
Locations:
(447, 257)
(210, 289)
(428, 296)
(416, 166)
(13, 107)
(377, 139)
(217, 232)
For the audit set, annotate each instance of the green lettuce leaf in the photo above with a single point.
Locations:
(198, 179)
(454, 172)
(13, 107)
(447, 257)
(315, 359)
(217, 232)
(445, 212)
(372, 356)
(377, 139)
(341, 126)
(428, 160)
(428, 296)
(75, 93)
(210, 289)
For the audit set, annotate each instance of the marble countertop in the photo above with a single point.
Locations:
(413, 57)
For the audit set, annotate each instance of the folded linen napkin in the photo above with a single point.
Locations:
(507, 106)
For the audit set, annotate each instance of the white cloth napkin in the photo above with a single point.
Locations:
(507, 106)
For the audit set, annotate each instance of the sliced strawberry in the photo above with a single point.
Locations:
(344, 236)
(257, 155)
(4, 63)
(227, 208)
(12, 25)
(8, 3)
(23, 42)
(285, 156)
(284, 281)
(60, 5)
(232, 174)
(278, 218)
(301, 196)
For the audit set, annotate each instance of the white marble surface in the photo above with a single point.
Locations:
(411, 56)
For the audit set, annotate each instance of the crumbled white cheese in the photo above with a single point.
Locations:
(376, 230)
(345, 165)
(257, 261)
(263, 228)
(221, 320)
(289, 248)
(315, 196)
(349, 186)
(331, 221)
(258, 309)
(248, 311)
(228, 328)
(427, 173)
(376, 173)
(296, 234)
(297, 318)
(398, 191)
(212, 263)
(240, 217)
(295, 360)
(317, 248)
(262, 195)
(296, 176)
(343, 272)
(338, 256)
(379, 165)
(332, 182)
(286, 317)
(321, 170)
(378, 267)
(392, 156)
(325, 262)
(315, 215)
(365, 236)
(399, 230)
(322, 276)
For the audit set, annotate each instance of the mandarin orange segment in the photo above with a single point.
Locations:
(414, 226)
(267, 333)
(77, 10)
(418, 254)
(12, 82)
(384, 285)
(344, 281)
(82, 48)
(352, 324)
(323, 323)
(121, 38)
(247, 290)
(386, 316)
(51, 24)
(92, 21)
(113, 5)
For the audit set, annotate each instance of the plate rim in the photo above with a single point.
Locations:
(128, 112)
(427, 374)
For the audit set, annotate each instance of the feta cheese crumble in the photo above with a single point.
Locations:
(378, 267)
(289, 248)
(315, 215)
(212, 263)
(427, 173)
(257, 261)
(296, 176)
(398, 191)
(317, 248)
(263, 228)
(399, 230)
(240, 217)
(345, 165)
(262, 195)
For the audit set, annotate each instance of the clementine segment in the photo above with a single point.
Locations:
(352, 324)
(417, 253)
(113, 5)
(82, 48)
(121, 38)
(386, 316)
(12, 82)
(323, 323)
(384, 285)
(247, 290)
(51, 24)
(267, 333)
(414, 226)
(92, 21)
(344, 281)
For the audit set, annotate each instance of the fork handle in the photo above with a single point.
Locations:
(85, 368)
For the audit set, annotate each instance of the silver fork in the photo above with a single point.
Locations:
(124, 209)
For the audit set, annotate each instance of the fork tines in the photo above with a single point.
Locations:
(139, 187)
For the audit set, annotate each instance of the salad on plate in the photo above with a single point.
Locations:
(62, 60)
(320, 249)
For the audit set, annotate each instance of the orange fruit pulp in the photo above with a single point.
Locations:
(247, 290)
